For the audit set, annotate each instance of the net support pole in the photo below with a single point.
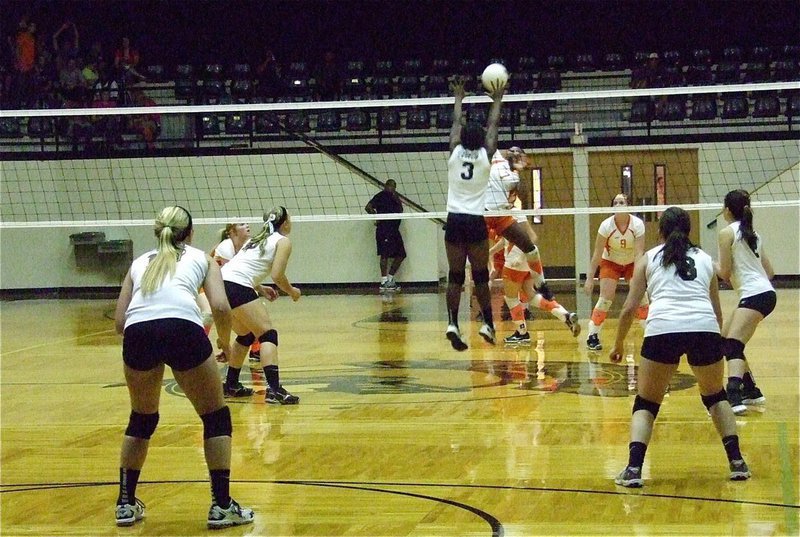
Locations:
(583, 235)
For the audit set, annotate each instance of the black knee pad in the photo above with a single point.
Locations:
(141, 425)
(246, 340)
(640, 403)
(270, 336)
(217, 423)
(457, 277)
(713, 399)
(480, 275)
(732, 349)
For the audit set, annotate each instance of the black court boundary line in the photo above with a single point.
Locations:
(27, 487)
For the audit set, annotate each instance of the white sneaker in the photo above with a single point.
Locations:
(573, 325)
(487, 333)
(234, 515)
(454, 335)
(128, 515)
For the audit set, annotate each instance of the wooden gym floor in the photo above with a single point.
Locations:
(396, 434)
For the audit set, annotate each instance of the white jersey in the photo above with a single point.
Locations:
(748, 276)
(249, 266)
(177, 296)
(225, 250)
(502, 181)
(620, 243)
(678, 305)
(468, 175)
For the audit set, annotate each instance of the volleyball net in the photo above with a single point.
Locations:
(325, 160)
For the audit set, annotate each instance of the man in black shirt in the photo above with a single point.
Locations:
(387, 233)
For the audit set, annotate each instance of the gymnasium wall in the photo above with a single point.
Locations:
(241, 187)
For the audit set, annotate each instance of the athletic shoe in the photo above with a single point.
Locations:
(280, 397)
(572, 324)
(736, 399)
(128, 515)
(234, 515)
(753, 396)
(593, 343)
(391, 285)
(487, 333)
(630, 477)
(739, 470)
(545, 291)
(236, 391)
(518, 339)
(454, 335)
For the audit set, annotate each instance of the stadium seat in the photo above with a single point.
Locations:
(704, 107)
(671, 57)
(468, 67)
(297, 70)
(444, 117)
(735, 106)
(555, 61)
(767, 105)
(509, 116)
(733, 54)
(642, 111)
(355, 69)
(756, 71)
(210, 125)
(699, 75)
(538, 115)
(762, 54)
(329, 121)
(154, 72)
(437, 84)
(613, 61)
(479, 113)
(10, 127)
(408, 86)
(727, 72)
(384, 69)
(238, 123)
(185, 84)
(354, 87)
(701, 56)
(441, 66)
(584, 63)
(267, 123)
(299, 89)
(549, 81)
(412, 67)
(212, 84)
(785, 71)
(359, 120)
(382, 87)
(242, 82)
(523, 82)
(793, 104)
(298, 122)
(672, 109)
(525, 64)
(418, 119)
(40, 127)
(388, 119)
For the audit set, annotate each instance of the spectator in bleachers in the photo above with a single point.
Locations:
(44, 79)
(650, 75)
(148, 125)
(90, 73)
(328, 78)
(269, 84)
(66, 44)
(126, 60)
(23, 90)
(71, 82)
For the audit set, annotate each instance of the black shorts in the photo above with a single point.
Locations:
(700, 348)
(390, 242)
(179, 343)
(763, 303)
(239, 294)
(465, 228)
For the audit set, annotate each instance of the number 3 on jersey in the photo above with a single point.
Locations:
(467, 174)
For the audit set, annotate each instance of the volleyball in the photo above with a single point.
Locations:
(495, 75)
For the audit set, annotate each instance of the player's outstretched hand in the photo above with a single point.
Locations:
(615, 355)
(497, 91)
(457, 86)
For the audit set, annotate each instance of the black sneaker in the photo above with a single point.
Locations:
(545, 291)
(518, 339)
(572, 324)
(236, 391)
(736, 398)
(280, 397)
(630, 477)
(739, 470)
(593, 343)
(753, 396)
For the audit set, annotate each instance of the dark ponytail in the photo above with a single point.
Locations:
(738, 203)
(674, 228)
